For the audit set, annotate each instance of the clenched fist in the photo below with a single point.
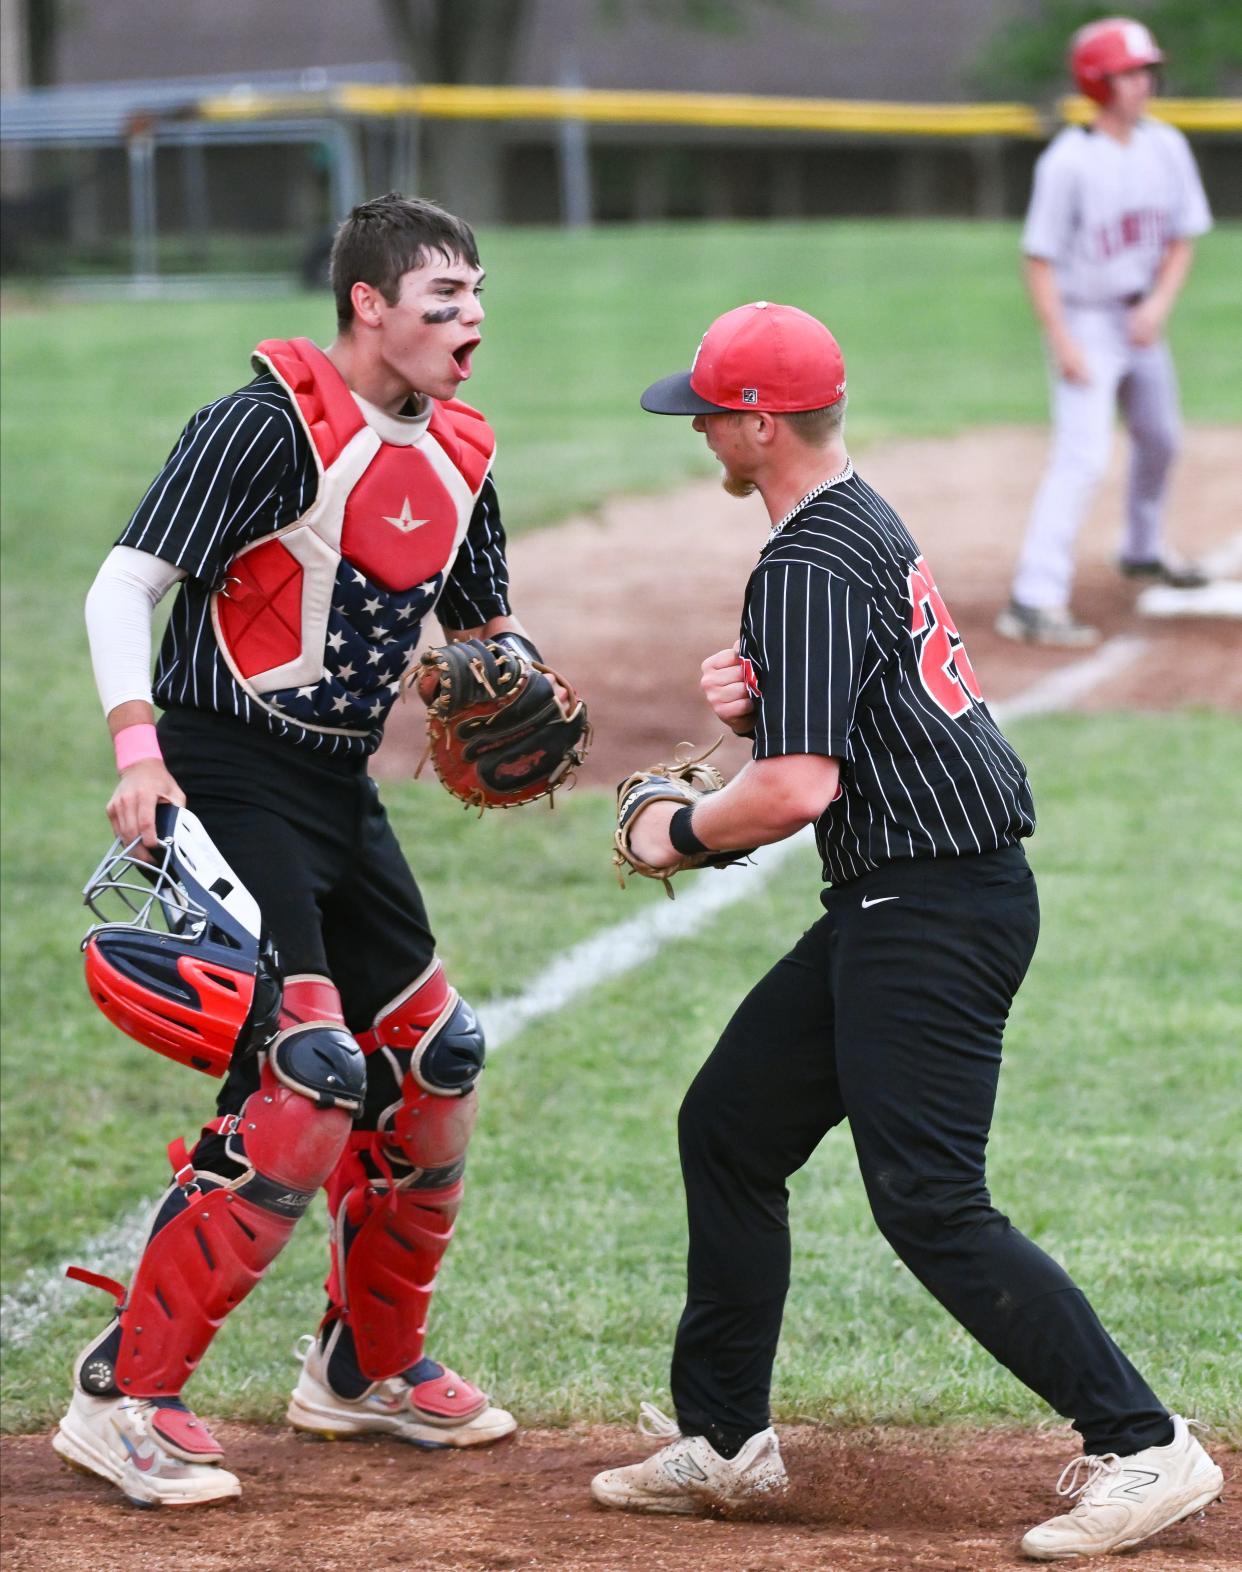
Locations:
(724, 688)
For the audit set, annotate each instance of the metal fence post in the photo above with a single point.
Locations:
(574, 156)
(142, 217)
(344, 171)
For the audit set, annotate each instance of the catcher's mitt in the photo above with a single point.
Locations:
(496, 733)
(684, 782)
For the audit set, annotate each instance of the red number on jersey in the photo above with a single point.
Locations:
(944, 666)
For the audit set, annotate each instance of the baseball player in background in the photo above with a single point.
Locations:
(311, 521)
(1108, 243)
(867, 720)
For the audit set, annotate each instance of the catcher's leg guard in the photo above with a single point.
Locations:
(393, 1198)
(214, 1235)
(396, 1191)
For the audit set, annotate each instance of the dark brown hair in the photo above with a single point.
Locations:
(383, 239)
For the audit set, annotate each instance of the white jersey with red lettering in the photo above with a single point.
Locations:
(1103, 211)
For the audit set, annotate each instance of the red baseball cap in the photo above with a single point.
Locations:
(760, 356)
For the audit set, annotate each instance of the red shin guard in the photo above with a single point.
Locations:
(390, 1264)
(206, 1259)
(393, 1214)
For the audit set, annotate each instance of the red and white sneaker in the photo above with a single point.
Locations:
(440, 1410)
(153, 1450)
(1124, 1500)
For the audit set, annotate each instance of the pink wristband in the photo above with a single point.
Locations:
(134, 743)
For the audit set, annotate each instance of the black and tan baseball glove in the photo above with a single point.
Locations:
(497, 733)
(685, 781)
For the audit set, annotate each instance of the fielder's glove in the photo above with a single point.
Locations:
(685, 782)
(497, 734)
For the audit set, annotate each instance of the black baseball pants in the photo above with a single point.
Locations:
(309, 837)
(888, 1012)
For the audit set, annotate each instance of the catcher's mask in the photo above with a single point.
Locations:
(178, 959)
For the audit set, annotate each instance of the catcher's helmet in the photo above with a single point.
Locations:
(178, 959)
(1102, 49)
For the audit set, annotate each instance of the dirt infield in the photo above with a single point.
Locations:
(628, 604)
(885, 1501)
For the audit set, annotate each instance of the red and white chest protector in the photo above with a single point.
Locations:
(394, 501)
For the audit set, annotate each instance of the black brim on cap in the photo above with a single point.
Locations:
(674, 396)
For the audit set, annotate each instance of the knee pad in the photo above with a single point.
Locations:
(314, 1055)
(431, 1022)
(449, 1059)
(433, 1123)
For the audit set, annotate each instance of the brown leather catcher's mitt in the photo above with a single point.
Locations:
(496, 733)
(684, 782)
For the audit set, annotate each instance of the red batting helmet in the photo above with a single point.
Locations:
(178, 959)
(1102, 49)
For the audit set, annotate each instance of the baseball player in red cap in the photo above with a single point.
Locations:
(868, 721)
(1108, 242)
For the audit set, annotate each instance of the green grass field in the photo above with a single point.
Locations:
(1120, 1118)
(1115, 1144)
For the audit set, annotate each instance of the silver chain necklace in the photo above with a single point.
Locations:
(824, 485)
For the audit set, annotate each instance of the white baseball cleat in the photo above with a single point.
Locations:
(689, 1475)
(1124, 1500)
(153, 1450)
(441, 1410)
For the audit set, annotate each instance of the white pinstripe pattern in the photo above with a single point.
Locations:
(827, 627)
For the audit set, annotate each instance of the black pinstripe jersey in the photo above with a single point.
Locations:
(242, 468)
(852, 652)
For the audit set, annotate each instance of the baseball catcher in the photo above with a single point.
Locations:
(502, 728)
(684, 782)
(311, 521)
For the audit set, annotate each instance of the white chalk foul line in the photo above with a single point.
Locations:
(1063, 687)
(619, 949)
(43, 1293)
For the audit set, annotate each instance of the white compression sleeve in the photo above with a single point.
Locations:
(126, 591)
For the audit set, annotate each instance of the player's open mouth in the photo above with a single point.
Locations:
(462, 355)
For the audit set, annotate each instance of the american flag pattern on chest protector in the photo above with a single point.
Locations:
(318, 533)
(317, 621)
(855, 655)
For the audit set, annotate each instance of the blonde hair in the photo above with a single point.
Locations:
(817, 427)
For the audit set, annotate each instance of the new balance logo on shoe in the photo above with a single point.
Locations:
(683, 1470)
(1136, 1481)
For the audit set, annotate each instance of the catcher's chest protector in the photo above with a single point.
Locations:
(327, 609)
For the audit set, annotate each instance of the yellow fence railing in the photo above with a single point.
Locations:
(1189, 114)
(740, 111)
